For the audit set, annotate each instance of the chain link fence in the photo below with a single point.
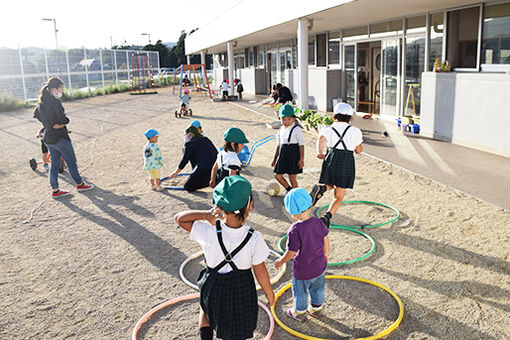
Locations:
(24, 71)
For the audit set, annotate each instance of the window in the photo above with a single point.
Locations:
(496, 35)
(321, 50)
(311, 51)
(355, 33)
(416, 25)
(334, 48)
(260, 56)
(254, 56)
(383, 29)
(462, 37)
(294, 55)
(436, 31)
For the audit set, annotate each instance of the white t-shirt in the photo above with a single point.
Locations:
(224, 86)
(226, 159)
(253, 253)
(352, 138)
(282, 136)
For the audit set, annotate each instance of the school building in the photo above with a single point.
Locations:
(379, 57)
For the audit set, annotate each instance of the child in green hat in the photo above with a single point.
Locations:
(231, 250)
(228, 163)
(289, 157)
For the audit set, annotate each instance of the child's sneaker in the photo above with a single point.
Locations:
(299, 316)
(317, 192)
(326, 219)
(60, 193)
(46, 166)
(159, 188)
(84, 187)
(315, 311)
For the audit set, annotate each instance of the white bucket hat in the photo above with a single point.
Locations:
(343, 108)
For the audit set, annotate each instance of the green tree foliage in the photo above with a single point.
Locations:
(163, 52)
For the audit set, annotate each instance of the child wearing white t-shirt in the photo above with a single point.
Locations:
(228, 163)
(231, 250)
(338, 170)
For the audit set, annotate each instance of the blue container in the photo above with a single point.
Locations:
(415, 128)
(399, 121)
(244, 154)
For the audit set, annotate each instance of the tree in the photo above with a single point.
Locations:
(163, 52)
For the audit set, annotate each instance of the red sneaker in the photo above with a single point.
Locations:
(60, 193)
(84, 187)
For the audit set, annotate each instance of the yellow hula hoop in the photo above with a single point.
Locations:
(372, 337)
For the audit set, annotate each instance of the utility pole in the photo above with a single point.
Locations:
(55, 28)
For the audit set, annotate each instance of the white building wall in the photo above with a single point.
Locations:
(470, 109)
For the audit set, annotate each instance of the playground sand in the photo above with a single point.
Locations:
(90, 265)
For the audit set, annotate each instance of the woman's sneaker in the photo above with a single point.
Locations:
(60, 193)
(299, 316)
(84, 187)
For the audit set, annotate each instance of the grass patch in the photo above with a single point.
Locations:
(10, 103)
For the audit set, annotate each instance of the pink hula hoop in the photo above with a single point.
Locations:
(149, 314)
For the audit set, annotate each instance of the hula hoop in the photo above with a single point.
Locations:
(387, 331)
(361, 258)
(364, 226)
(174, 188)
(200, 253)
(149, 314)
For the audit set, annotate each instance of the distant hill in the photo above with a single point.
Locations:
(170, 45)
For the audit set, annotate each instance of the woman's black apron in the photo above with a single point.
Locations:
(288, 157)
(229, 300)
(338, 166)
(221, 173)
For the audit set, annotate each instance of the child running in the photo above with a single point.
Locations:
(228, 297)
(289, 157)
(228, 163)
(308, 244)
(338, 169)
(152, 159)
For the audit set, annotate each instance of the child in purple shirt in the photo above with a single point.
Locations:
(308, 244)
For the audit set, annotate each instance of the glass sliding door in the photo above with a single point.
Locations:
(350, 74)
(283, 62)
(414, 67)
(390, 76)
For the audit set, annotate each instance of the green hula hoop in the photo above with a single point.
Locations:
(364, 226)
(361, 258)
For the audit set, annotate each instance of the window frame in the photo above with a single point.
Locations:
(500, 68)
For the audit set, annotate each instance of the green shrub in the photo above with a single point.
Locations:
(10, 103)
(123, 87)
(98, 92)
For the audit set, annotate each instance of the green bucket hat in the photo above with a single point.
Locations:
(235, 135)
(232, 193)
(286, 111)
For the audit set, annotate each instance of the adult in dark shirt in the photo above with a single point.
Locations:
(51, 114)
(201, 153)
(284, 94)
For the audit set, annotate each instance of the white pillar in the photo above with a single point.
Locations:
(203, 61)
(230, 58)
(302, 56)
(188, 59)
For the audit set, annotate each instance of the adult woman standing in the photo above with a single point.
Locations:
(50, 113)
(201, 153)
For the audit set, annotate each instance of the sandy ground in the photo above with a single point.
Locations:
(90, 265)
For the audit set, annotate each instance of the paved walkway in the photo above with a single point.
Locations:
(480, 174)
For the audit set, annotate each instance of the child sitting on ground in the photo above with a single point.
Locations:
(289, 157)
(308, 244)
(228, 297)
(152, 159)
(228, 163)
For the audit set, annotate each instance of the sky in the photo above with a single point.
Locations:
(91, 23)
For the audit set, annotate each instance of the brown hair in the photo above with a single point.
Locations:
(52, 83)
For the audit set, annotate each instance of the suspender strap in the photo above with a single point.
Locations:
(341, 137)
(229, 256)
(290, 133)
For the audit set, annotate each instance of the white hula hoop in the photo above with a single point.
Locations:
(200, 253)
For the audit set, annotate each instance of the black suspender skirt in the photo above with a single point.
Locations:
(338, 167)
(288, 158)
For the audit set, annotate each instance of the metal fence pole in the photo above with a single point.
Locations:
(46, 63)
(101, 62)
(22, 74)
(86, 69)
(68, 71)
(115, 64)
(127, 63)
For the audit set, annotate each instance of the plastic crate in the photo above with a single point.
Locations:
(415, 128)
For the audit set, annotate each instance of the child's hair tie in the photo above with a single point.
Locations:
(237, 212)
